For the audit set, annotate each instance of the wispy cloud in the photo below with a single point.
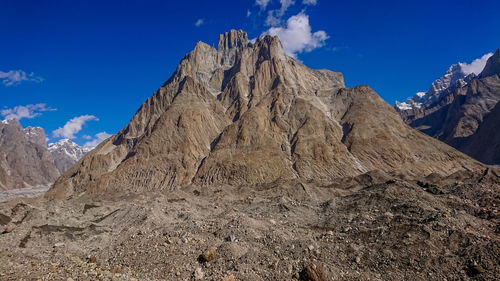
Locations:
(15, 77)
(73, 126)
(98, 138)
(274, 17)
(262, 3)
(199, 22)
(297, 35)
(310, 2)
(25, 111)
(476, 66)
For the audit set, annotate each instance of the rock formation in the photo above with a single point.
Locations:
(247, 113)
(463, 114)
(24, 158)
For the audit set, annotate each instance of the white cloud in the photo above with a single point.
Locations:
(297, 36)
(310, 2)
(73, 126)
(274, 16)
(99, 137)
(285, 4)
(14, 77)
(476, 66)
(199, 22)
(25, 111)
(262, 3)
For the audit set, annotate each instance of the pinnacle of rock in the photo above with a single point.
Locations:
(233, 39)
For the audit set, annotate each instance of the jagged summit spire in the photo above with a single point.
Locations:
(239, 39)
(233, 38)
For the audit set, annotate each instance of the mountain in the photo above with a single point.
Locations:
(458, 75)
(27, 161)
(492, 66)
(246, 113)
(66, 153)
(455, 77)
(484, 144)
(462, 115)
(24, 158)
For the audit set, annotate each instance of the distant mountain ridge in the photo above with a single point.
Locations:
(458, 75)
(66, 153)
(460, 113)
(27, 161)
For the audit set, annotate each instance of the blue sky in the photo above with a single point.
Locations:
(97, 61)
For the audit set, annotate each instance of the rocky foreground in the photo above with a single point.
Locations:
(370, 227)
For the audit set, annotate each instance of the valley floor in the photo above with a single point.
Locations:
(372, 227)
(7, 195)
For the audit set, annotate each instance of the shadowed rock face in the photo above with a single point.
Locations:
(464, 117)
(248, 113)
(24, 158)
(484, 144)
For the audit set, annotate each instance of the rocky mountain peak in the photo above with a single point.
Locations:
(35, 135)
(11, 122)
(66, 153)
(492, 66)
(246, 114)
(457, 76)
(233, 39)
(24, 158)
(465, 113)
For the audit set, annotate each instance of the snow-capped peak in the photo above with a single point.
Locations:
(420, 94)
(68, 148)
(457, 75)
(66, 153)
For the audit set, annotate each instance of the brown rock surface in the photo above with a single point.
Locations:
(246, 114)
(314, 272)
(25, 160)
(369, 227)
(484, 144)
